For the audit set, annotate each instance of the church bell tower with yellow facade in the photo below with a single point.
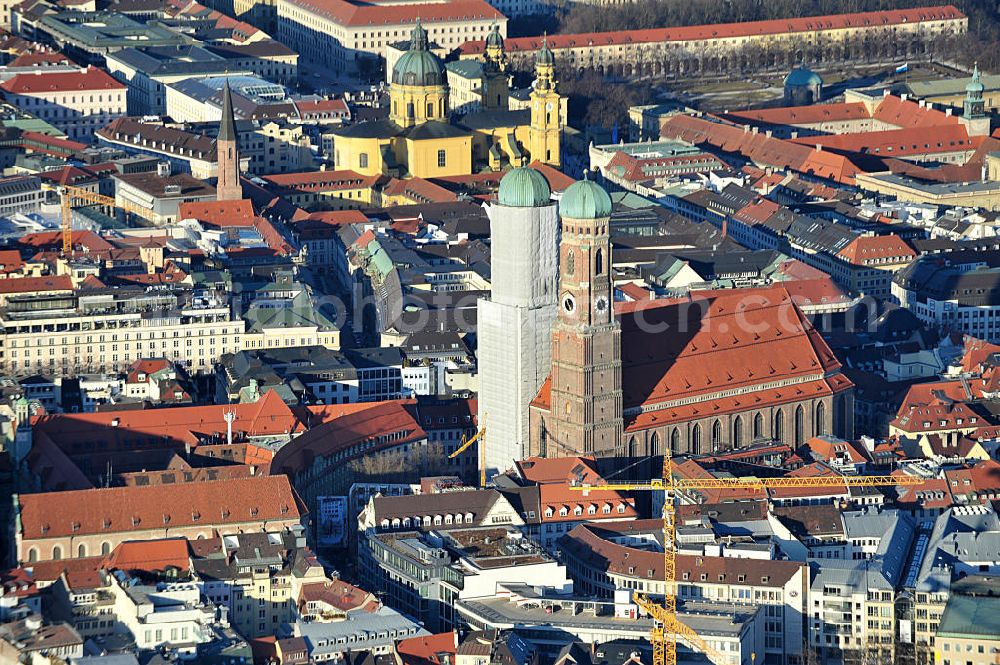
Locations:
(496, 85)
(545, 132)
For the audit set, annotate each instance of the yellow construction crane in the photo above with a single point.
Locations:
(73, 196)
(666, 626)
(479, 436)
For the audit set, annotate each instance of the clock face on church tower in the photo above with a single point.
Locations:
(601, 304)
(569, 303)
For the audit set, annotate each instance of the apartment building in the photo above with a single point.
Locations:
(340, 34)
(602, 559)
(75, 334)
(78, 103)
(257, 576)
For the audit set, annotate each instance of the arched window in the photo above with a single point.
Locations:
(716, 434)
(738, 432)
(81, 551)
(599, 262)
(696, 439)
(32, 555)
(56, 553)
(654, 444)
(758, 426)
(105, 548)
(820, 425)
(799, 425)
(779, 425)
(631, 446)
(675, 441)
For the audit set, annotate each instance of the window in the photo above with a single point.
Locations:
(363, 160)
(430, 109)
(442, 158)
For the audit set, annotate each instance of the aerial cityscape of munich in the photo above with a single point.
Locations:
(499, 332)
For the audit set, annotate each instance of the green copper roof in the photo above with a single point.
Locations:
(418, 66)
(802, 75)
(976, 84)
(545, 55)
(524, 188)
(585, 199)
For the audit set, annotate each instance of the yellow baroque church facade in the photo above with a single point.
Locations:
(421, 139)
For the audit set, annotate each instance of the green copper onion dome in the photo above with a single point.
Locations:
(585, 199)
(524, 188)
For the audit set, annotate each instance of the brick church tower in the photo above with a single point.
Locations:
(586, 384)
(228, 187)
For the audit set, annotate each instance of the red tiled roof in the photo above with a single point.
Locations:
(36, 284)
(592, 544)
(313, 107)
(723, 340)
(829, 449)
(39, 58)
(337, 593)
(759, 147)
(418, 190)
(976, 353)
(427, 650)
(385, 424)
(321, 180)
(41, 82)
(558, 181)
(124, 509)
(10, 260)
(346, 12)
(87, 241)
(168, 427)
(802, 115)
(634, 292)
(149, 555)
(543, 470)
(888, 248)
(897, 142)
(757, 212)
(146, 367)
(728, 30)
(936, 417)
(221, 214)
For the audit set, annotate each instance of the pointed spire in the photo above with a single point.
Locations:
(227, 126)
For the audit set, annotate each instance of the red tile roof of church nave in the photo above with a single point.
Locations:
(729, 30)
(721, 341)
